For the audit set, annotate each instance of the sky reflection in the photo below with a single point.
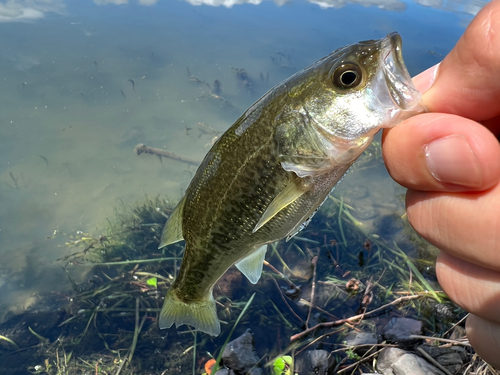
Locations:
(29, 10)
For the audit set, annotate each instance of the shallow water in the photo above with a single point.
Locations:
(81, 83)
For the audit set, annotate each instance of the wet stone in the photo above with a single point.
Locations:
(394, 361)
(400, 330)
(451, 358)
(229, 285)
(435, 351)
(451, 361)
(326, 293)
(361, 338)
(458, 333)
(366, 213)
(356, 193)
(388, 225)
(224, 371)
(444, 312)
(240, 356)
(317, 362)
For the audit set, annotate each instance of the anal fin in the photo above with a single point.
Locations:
(172, 232)
(251, 266)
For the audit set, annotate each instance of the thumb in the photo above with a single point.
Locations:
(467, 81)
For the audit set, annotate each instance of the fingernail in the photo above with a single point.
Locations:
(425, 80)
(451, 160)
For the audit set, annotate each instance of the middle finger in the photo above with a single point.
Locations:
(466, 225)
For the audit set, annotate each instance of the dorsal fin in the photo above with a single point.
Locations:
(172, 232)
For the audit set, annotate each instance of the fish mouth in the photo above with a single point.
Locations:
(401, 94)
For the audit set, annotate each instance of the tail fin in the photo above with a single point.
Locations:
(201, 315)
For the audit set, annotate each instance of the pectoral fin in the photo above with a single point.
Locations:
(172, 232)
(251, 266)
(289, 195)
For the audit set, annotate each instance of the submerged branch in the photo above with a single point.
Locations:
(429, 358)
(353, 318)
(135, 261)
(141, 148)
(450, 341)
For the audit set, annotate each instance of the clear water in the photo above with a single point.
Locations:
(83, 82)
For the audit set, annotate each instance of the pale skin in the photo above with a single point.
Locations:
(449, 160)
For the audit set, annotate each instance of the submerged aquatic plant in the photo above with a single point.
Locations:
(283, 365)
(115, 309)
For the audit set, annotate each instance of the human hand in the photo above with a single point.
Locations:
(449, 160)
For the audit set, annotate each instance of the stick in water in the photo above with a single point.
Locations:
(143, 149)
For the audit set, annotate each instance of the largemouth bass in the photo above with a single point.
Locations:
(268, 174)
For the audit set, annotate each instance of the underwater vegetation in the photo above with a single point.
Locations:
(357, 266)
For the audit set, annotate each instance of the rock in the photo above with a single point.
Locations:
(444, 312)
(388, 225)
(315, 362)
(356, 339)
(458, 333)
(224, 371)
(326, 293)
(240, 356)
(394, 361)
(400, 330)
(435, 351)
(229, 285)
(299, 268)
(451, 358)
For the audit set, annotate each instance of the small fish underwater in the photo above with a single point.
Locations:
(267, 175)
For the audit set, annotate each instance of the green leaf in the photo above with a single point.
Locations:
(279, 366)
(288, 360)
(282, 365)
(153, 282)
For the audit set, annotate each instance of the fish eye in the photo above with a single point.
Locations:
(346, 76)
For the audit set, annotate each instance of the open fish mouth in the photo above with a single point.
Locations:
(400, 94)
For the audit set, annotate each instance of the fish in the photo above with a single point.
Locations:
(268, 174)
(132, 82)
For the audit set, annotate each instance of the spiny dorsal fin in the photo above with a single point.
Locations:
(172, 232)
(251, 266)
(287, 196)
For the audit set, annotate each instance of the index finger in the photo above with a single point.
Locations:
(467, 82)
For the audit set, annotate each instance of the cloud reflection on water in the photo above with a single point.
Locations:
(394, 5)
(460, 6)
(27, 10)
(121, 2)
